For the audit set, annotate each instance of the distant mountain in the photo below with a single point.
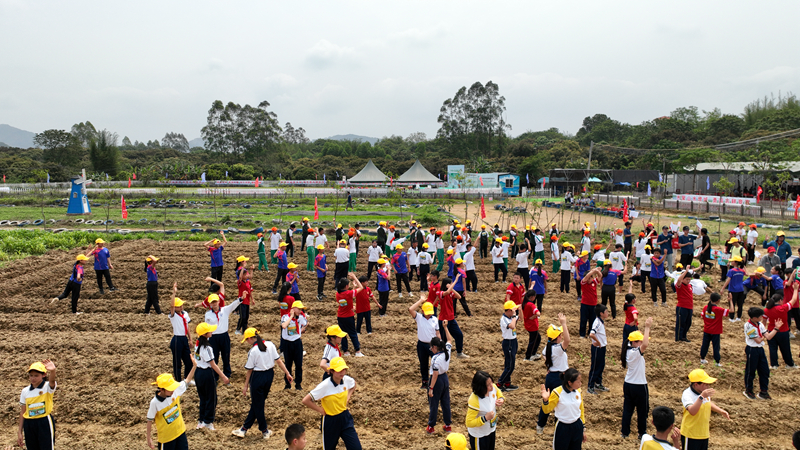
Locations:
(14, 137)
(354, 137)
(199, 142)
(3, 144)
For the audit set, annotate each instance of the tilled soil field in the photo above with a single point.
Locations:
(108, 356)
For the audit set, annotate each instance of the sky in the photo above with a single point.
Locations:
(378, 68)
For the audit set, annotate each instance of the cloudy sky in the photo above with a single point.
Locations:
(378, 68)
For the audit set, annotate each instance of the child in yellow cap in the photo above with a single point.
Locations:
(697, 408)
(335, 335)
(635, 393)
(102, 264)
(334, 394)
(293, 325)
(181, 336)
(508, 325)
(36, 426)
(206, 376)
(152, 285)
(220, 340)
(74, 284)
(556, 361)
(455, 441)
(165, 411)
(215, 247)
(427, 329)
(293, 278)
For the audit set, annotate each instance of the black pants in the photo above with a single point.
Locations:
(221, 343)
(568, 436)
(587, 319)
(539, 301)
(780, 341)
(525, 275)
(712, 339)
(280, 278)
(260, 384)
(686, 260)
(424, 355)
(578, 287)
(597, 366)
(371, 265)
(794, 314)
(737, 298)
(483, 443)
(484, 249)
(658, 284)
(340, 426)
(565, 274)
(643, 280)
(383, 300)
(303, 242)
(179, 345)
(364, 317)
(293, 355)
(704, 264)
(636, 396)
(348, 325)
(152, 298)
(455, 331)
(320, 285)
(472, 280)
(340, 272)
(683, 321)
(424, 270)
(40, 434)
(500, 267)
(551, 381)
(464, 305)
(627, 249)
(413, 270)
(533, 344)
(290, 250)
(756, 362)
(402, 278)
(74, 289)
(244, 317)
(608, 293)
(100, 275)
(216, 273)
(510, 347)
(723, 273)
(751, 252)
(693, 444)
(441, 394)
(207, 394)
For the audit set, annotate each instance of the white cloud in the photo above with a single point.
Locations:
(325, 54)
(415, 37)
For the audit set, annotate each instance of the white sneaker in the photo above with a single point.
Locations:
(400, 295)
(200, 425)
(346, 354)
(237, 332)
(267, 434)
(536, 356)
(462, 355)
(738, 319)
(192, 383)
(539, 430)
(239, 432)
(791, 335)
(773, 367)
(359, 354)
(209, 426)
(703, 361)
(731, 320)
(793, 367)
(718, 364)
(305, 353)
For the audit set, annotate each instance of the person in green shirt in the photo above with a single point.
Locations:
(262, 253)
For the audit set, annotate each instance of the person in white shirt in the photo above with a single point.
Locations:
(598, 350)
(321, 239)
(508, 325)
(505, 246)
(469, 266)
(220, 339)
(438, 383)
(556, 361)
(522, 264)
(413, 261)
(165, 405)
(274, 241)
(555, 254)
(36, 424)
(497, 259)
(373, 254)
(646, 261)
(618, 262)
(538, 244)
(427, 329)
(352, 246)
(699, 286)
(635, 393)
(206, 377)
(311, 251)
(425, 260)
(566, 403)
(586, 241)
(752, 238)
(181, 336)
(599, 256)
(342, 257)
(755, 335)
(567, 261)
(639, 245)
(293, 325)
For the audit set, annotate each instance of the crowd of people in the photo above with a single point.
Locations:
(445, 273)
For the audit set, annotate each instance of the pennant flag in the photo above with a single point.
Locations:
(481, 179)
(203, 177)
(4, 178)
(390, 181)
(256, 181)
(483, 209)
(544, 180)
(648, 189)
(124, 208)
(527, 178)
(637, 185)
(796, 206)
(584, 188)
(134, 175)
(316, 209)
(708, 183)
(625, 216)
(226, 174)
(660, 178)
(48, 177)
(325, 177)
(758, 194)
(129, 181)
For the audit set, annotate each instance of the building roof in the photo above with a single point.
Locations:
(418, 174)
(791, 166)
(369, 174)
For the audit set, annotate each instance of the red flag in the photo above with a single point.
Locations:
(316, 209)
(483, 209)
(124, 208)
(129, 181)
(637, 185)
(390, 181)
(625, 210)
(796, 206)
(543, 181)
(481, 179)
(134, 175)
(758, 195)
(584, 188)
(256, 181)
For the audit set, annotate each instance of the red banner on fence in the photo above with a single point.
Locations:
(134, 175)
(625, 210)
(316, 210)
(483, 209)
(758, 194)
(129, 181)
(481, 178)
(124, 208)
(256, 181)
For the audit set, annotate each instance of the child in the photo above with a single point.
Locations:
(321, 266)
(482, 411)
(657, 277)
(439, 384)
(497, 260)
(555, 255)
(758, 284)
(261, 361)
(334, 334)
(334, 395)
(618, 262)
(684, 309)
(646, 261)
(634, 389)
(522, 265)
(413, 261)
(712, 328)
(295, 437)
(364, 307)
(588, 299)
(293, 325)
(567, 260)
(538, 278)
(697, 407)
(457, 441)
(508, 325)
(469, 266)
(504, 245)
(165, 411)
(311, 249)
(245, 293)
(530, 318)
(279, 257)
(152, 285)
(458, 286)
(598, 350)
(586, 241)
(735, 285)
(215, 249)
(599, 256)
(609, 290)
(179, 345)
(515, 290)
(777, 309)
(36, 428)
(292, 277)
(568, 409)
(447, 300)
(384, 275)
(262, 253)
(352, 247)
(425, 260)
(451, 262)
(631, 313)
(346, 311)
(284, 305)
(74, 284)
(401, 267)
(220, 339)
(439, 251)
(102, 264)
(664, 421)
(754, 335)
(582, 267)
(556, 361)
(427, 329)
(637, 276)
(373, 255)
(206, 377)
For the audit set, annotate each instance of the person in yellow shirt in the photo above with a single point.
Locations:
(697, 407)
(456, 441)
(165, 411)
(334, 394)
(36, 425)
(566, 402)
(664, 421)
(482, 411)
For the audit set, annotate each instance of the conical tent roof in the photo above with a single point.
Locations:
(369, 174)
(418, 174)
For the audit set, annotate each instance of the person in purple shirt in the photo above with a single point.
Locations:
(215, 248)
(283, 266)
(102, 264)
(400, 263)
(152, 285)
(665, 242)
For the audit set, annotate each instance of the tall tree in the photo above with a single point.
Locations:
(247, 131)
(472, 121)
(175, 141)
(60, 147)
(292, 135)
(85, 132)
(104, 153)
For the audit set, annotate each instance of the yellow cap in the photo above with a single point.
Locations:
(320, 247)
(553, 224)
(99, 241)
(166, 381)
(585, 253)
(248, 333)
(305, 219)
(298, 304)
(215, 241)
(204, 328)
(178, 302)
(459, 261)
(780, 233)
(737, 259)
(498, 240)
(338, 364)
(538, 261)
(527, 227)
(456, 441)
(469, 222)
(513, 226)
(679, 266)
(509, 305)
(382, 223)
(398, 247)
(212, 298)
(81, 258)
(425, 245)
(242, 258)
(483, 226)
(152, 258)
(733, 241)
(427, 308)
(635, 336)
(282, 244)
(339, 226)
(700, 376)
(455, 220)
(586, 223)
(554, 331)
(647, 247)
(449, 251)
(381, 261)
(38, 366)
(566, 244)
(291, 266)
(761, 270)
(335, 330)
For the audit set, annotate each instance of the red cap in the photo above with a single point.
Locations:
(505, 238)
(274, 229)
(641, 234)
(732, 232)
(439, 233)
(771, 250)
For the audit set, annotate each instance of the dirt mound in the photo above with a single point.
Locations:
(108, 356)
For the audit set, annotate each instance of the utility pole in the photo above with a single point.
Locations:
(589, 164)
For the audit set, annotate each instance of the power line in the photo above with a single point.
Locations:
(727, 146)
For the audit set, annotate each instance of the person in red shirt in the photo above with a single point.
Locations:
(631, 313)
(794, 314)
(245, 293)
(217, 287)
(364, 307)
(515, 290)
(446, 300)
(588, 299)
(712, 328)
(777, 310)
(530, 317)
(685, 306)
(346, 311)
(434, 287)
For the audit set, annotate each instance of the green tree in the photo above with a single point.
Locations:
(59, 147)
(85, 132)
(175, 141)
(473, 120)
(689, 159)
(249, 132)
(242, 172)
(104, 153)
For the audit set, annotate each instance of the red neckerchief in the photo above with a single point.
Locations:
(336, 347)
(758, 328)
(185, 324)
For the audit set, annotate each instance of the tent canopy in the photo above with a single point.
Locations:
(418, 174)
(369, 174)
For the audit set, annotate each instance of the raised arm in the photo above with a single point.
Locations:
(224, 239)
(646, 341)
(358, 285)
(412, 310)
(563, 320)
(218, 283)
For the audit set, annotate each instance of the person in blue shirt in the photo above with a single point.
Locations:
(735, 285)
(102, 264)
(657, 277)
(152, 285)
(608, 292)
(283, 266)
(401, 267)
(628, 240)
(758, 284)
(582, 267)
(775, 280)
(321, 264)
(665, 241)
(215, 248)
(686, 243)
(782, 248)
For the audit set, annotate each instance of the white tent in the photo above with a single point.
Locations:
(369, 174)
